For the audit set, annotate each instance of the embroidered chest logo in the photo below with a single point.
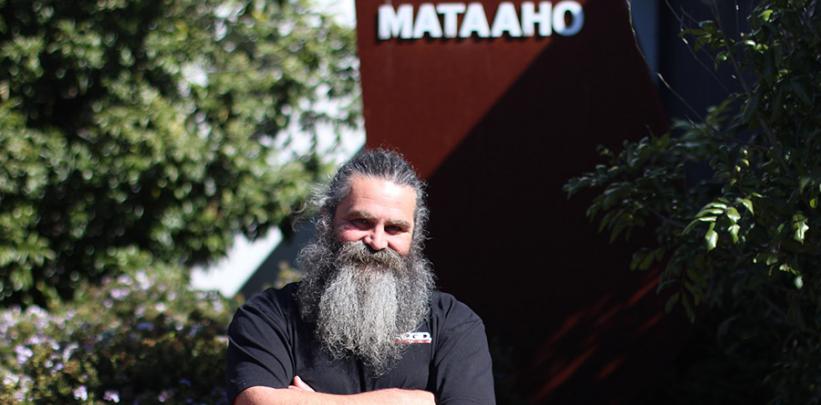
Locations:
(412, 338)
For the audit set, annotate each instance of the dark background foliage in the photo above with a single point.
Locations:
(733, 201)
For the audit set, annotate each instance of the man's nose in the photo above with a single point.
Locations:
(376, 239)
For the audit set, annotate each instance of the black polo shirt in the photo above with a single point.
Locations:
(447, 355)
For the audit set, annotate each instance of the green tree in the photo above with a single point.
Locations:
(739, 247)
(131, 126)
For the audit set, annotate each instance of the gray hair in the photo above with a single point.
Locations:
(378, 163)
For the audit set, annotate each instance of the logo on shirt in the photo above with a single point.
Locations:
(412, 338)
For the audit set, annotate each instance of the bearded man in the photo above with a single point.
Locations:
(365, 325)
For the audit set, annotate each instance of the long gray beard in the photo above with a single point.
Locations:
(362, 301)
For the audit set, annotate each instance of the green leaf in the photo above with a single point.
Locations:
(771, 260)
(644, 259)
(785, 267)
(803, 182)
(733, 229)
(747, 203)
(710, 211)
(693, 223)
(766, 15)
(718, 205)
(711, 237)
(799, 226)
(733, 215)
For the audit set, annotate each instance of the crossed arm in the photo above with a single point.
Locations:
(300, 393)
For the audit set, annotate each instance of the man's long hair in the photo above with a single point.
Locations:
(361, 301)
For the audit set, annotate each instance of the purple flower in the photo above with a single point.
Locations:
(23, 354)
(165, 395)
(37, 312)
(8, 319)
(111, 396)
(10, 379)
(119, 293)
(80, 393)
(35, 340)
(145, 326)
(142, 280)
(124, 280)
(39, 316)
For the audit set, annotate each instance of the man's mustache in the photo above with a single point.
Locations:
(357, 252)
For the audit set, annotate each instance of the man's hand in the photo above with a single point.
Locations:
(300, 393)
(300, 385)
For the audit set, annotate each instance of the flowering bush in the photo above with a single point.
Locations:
(138, 338)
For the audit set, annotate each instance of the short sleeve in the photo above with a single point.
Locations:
(461, 370)
(259, 345)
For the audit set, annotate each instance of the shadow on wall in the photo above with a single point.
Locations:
(498, 127)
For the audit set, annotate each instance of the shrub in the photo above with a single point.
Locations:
(144, 337)
(733, 201)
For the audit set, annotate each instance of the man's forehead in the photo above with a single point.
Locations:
(367, 193)
(364, 185)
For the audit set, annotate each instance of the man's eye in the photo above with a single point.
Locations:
(394, 229)
(361, 223)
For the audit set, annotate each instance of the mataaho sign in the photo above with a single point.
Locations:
(442, 20)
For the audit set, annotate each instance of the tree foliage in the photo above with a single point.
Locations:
(133, 126)
(734, 201)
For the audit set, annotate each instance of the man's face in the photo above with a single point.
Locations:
(370, 287)
(377, 212)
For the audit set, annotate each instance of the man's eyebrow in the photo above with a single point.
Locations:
(360, 214)
(400, 223)
(364, 215)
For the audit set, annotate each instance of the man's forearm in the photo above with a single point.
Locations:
(283, 396)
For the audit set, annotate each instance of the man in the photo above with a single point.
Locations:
(365, 325)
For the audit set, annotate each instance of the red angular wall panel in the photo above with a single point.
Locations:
(497, 125)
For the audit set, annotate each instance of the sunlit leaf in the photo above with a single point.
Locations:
(711, 237)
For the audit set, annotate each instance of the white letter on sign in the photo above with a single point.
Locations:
(397, 23)
(474, 21)
(506, 21)
(450, 11)
(576, 13)
(427, 22)
(530, 17)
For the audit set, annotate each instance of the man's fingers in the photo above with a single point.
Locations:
(302, 385)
